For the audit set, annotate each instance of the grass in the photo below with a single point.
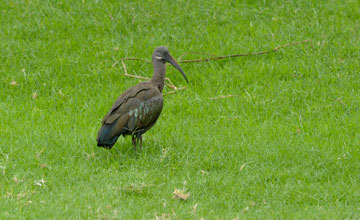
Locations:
(286, 146)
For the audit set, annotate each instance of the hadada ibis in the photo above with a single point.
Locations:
(137, 109)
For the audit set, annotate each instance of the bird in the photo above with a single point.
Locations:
(137, 109)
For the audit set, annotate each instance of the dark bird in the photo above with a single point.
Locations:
(138, 108)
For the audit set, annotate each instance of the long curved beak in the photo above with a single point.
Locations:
(176, 65)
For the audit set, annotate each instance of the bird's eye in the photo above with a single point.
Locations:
(158, 57)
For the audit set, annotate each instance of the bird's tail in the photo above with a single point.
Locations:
(106, 137)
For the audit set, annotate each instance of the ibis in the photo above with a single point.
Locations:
(137, 109)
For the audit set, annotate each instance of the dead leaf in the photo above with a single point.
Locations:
(21, 195)
(40, 182)
(165, 216)
(340, 101)
(204, 172)
(8, 195)
(90, 156)
(180, 194)
(15, 179)
(194, 208)
(242, 166)
(61, 93)
(13, 83)
(38, 154)
(164, 154)
(111, 17)
(34, 95)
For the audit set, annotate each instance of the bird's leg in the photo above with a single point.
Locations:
(140, 142)
(134, 141)
(139, 139)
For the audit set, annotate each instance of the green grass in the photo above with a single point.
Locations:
(286, 146)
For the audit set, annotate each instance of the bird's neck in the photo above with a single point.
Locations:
(159, 74)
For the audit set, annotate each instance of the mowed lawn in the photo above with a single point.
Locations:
(273, 136)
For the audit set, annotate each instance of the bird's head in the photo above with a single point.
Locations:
(162, 54)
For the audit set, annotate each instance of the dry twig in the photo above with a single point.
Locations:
(170, 84)
(214, 57)
(244, 54)
(133, 76)
(175, 90)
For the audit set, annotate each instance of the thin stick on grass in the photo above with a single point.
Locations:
(170, 84)
(244, 54)
(129, 75)
(214, 57)
(176, 90)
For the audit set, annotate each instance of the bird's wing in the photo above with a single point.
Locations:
(126, 101)
(147, 112)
